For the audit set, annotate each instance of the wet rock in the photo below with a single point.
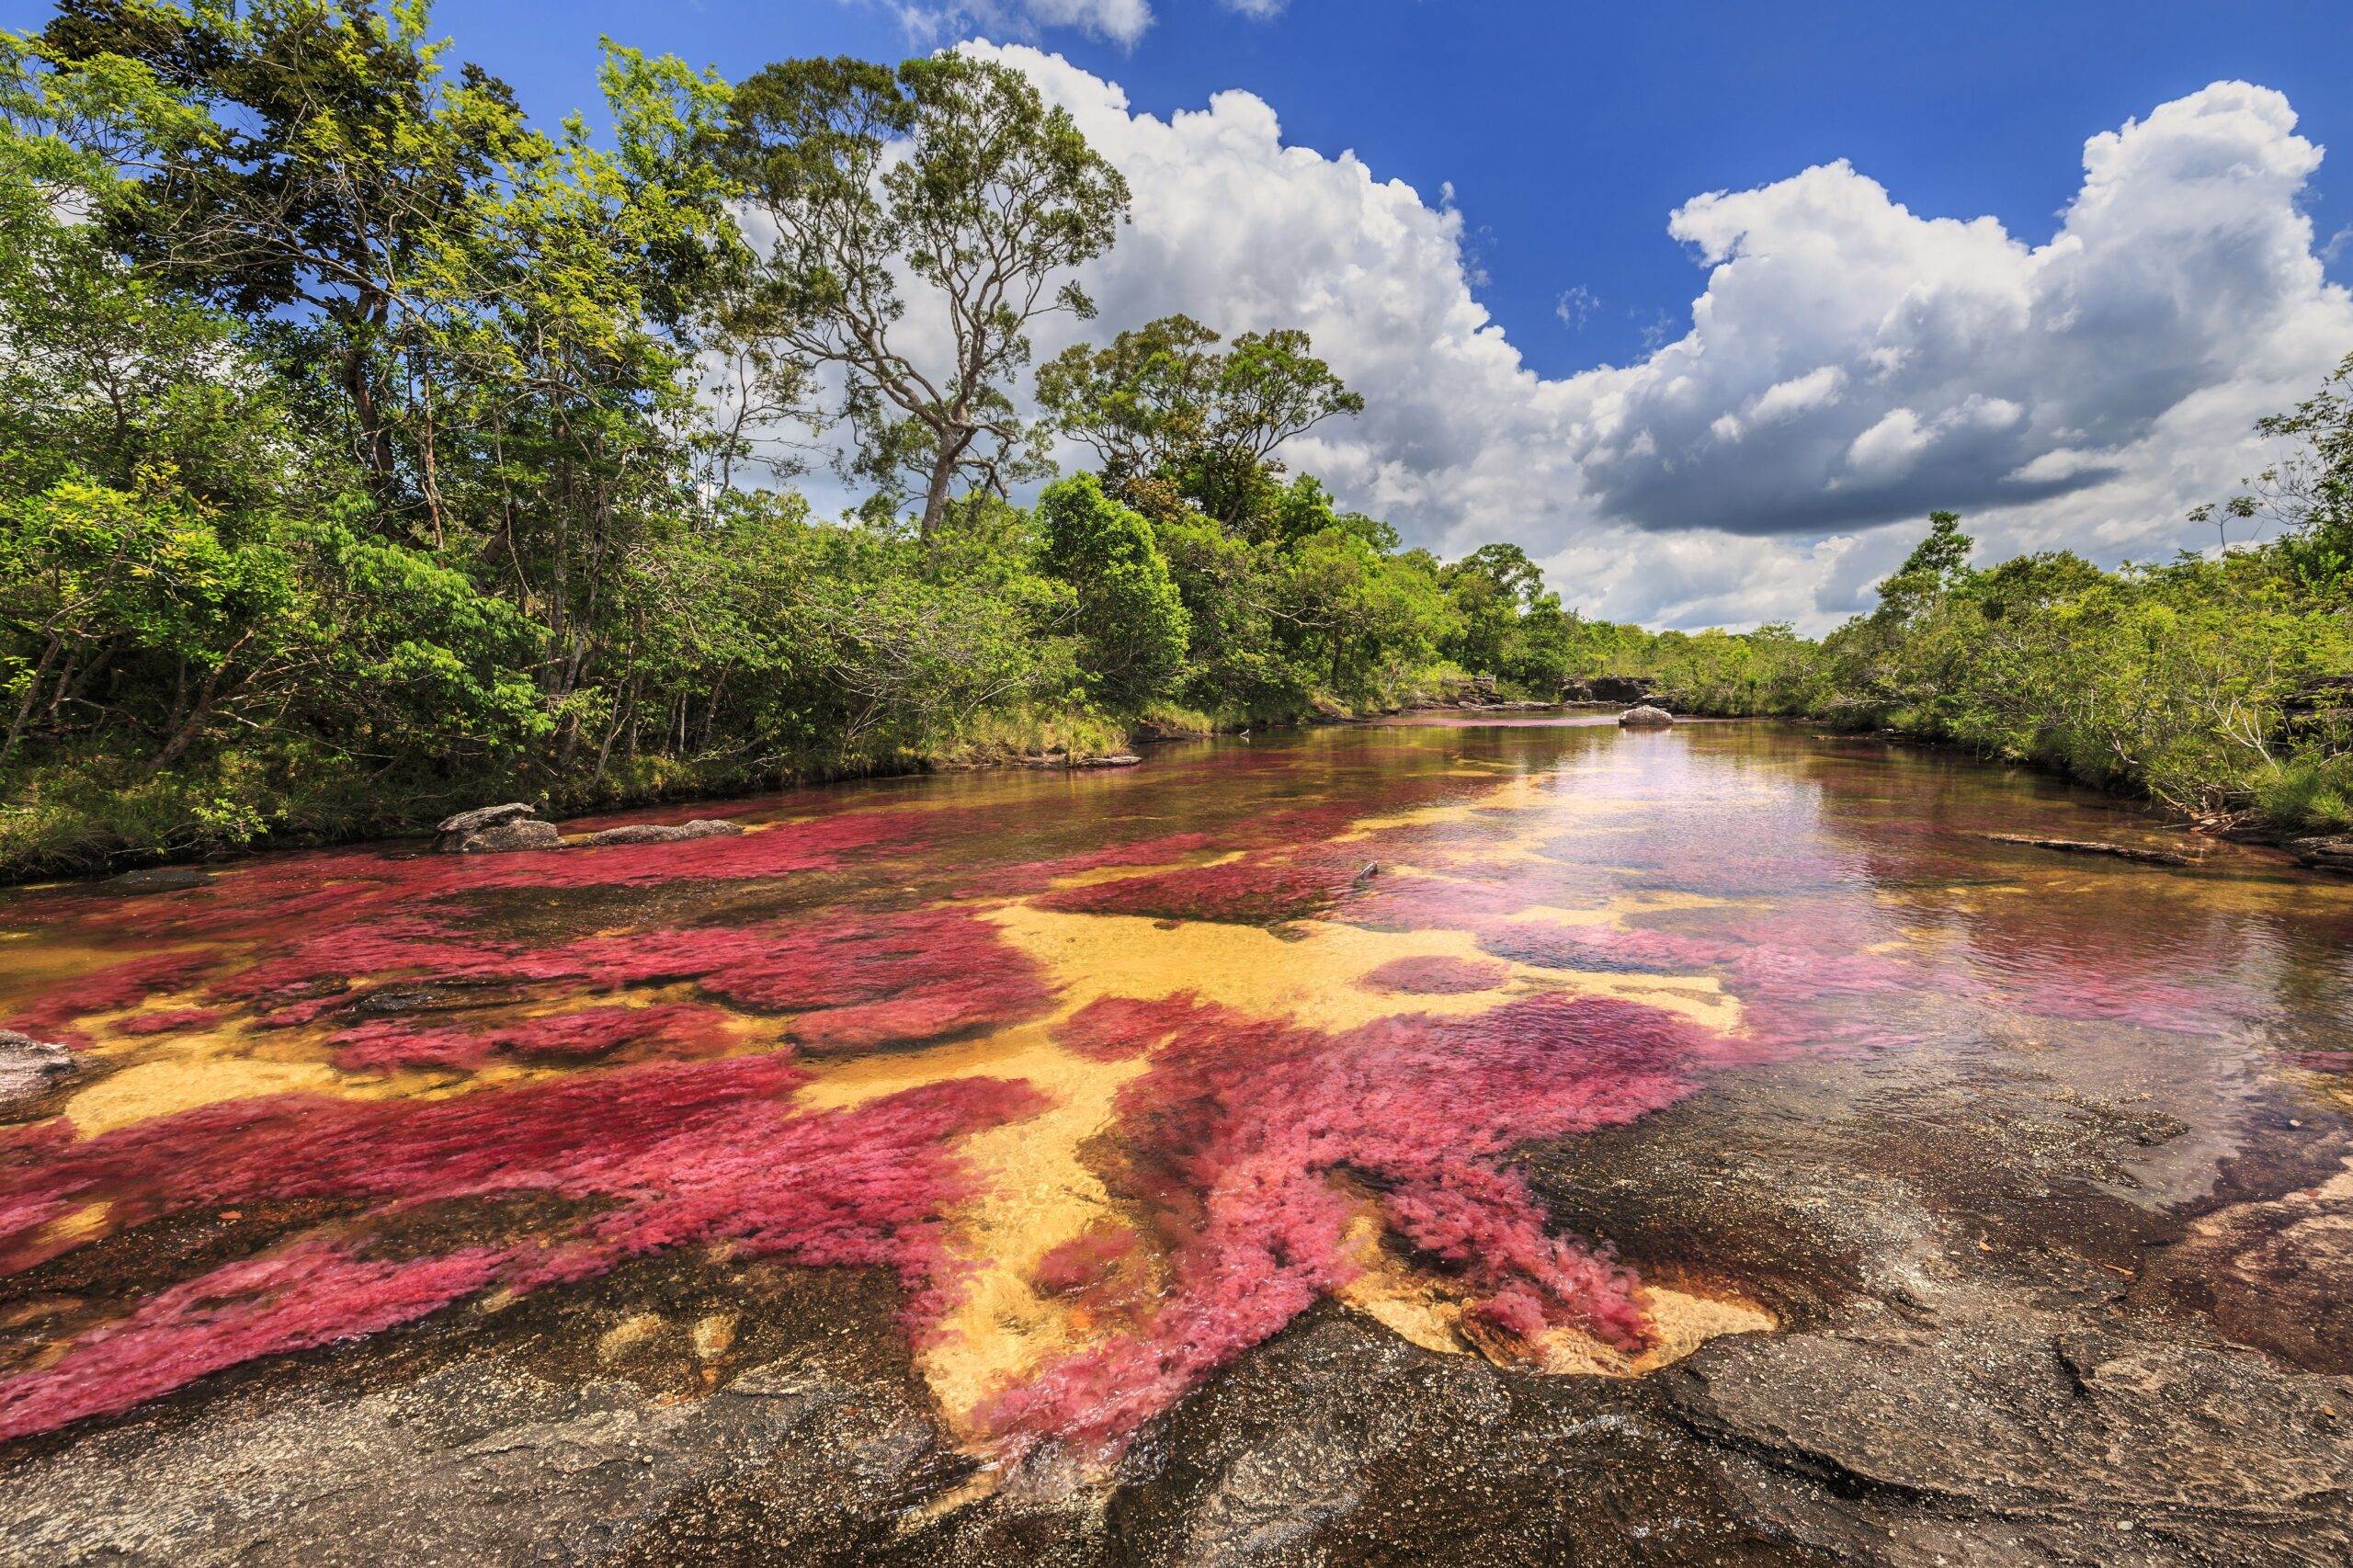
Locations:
(2276, 1274)
(486, 1442)
(496, 829)
(2332, 854)
(1338, 1442)
(663, 833)
(1116, 759)
(1997, 1432)
(156, 878)
(1646, 718)
(30, 1068)
(2136, 852)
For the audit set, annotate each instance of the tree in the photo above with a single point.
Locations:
(1160, 401)
(1130, 623)
(311, 166)
(949, 175)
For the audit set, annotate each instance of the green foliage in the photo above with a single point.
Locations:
(952, 174)
(1130, 624)
(366, 450)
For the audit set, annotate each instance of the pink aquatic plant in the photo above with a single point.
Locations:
(1243, 1132)
(658, 1157)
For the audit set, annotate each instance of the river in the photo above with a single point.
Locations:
(1502, 1140)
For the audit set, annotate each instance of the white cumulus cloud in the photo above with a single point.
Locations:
(1847, 363)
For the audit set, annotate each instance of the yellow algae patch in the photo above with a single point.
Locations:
(74, 1226)
(1679, 1324)
(1315, 978)
(627, 1336)
(1427, 1311)
(183, 1081)
(1037, 1194)
(712, 1335)
(1101, 874)
(179, 1072)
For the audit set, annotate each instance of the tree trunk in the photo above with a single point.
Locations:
(935, 502)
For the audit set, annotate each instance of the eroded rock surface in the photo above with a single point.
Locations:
(30, 1068)
(495, 830)
(663, 833)
(1646, 717)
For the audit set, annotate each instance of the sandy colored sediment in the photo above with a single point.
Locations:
(1428, 1311)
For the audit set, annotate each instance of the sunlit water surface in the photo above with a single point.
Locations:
(1113, 1074)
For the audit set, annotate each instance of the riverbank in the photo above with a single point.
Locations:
(62, 823)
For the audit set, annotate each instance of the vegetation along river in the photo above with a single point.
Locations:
(1487, 1140)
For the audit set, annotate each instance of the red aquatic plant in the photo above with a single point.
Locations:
(660, 1157)
(310, 1294)
(170, 1021)
(1436, 976)
(675, 1030)
(1243, 1130)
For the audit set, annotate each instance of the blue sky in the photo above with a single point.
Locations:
(1569, 131)
(1829, 264)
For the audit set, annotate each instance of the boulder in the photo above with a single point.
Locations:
(496, 829)
(156, 878)
(2334, 853)
(664, 832)
(29, 1067)
(1646, 717)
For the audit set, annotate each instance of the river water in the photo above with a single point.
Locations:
(1532, 1051)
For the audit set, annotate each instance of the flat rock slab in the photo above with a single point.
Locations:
(2135, 852)
(662, 833)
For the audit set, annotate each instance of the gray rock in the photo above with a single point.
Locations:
(1646, 718)
(486, 816)
(496, 829)
(526, 834)
(663, 833)
(2331, 854)
(29, 1067)
(1117, 759)
(156, 878)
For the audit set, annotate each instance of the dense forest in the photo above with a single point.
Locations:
(366, 450)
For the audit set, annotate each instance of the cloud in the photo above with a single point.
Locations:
(1575, 307)
(1847, 364)
(1260, 10)
(1114, 21)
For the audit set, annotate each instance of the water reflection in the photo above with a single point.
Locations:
(1116, 1075)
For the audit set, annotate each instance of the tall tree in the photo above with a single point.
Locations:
(1161, 401)
(951, 176)
(322, 166)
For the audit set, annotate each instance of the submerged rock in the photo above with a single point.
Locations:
(2140, 853)
(663, 833)
(496, 829)
(29, 1067)
(1646, 718)
(156, 878)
